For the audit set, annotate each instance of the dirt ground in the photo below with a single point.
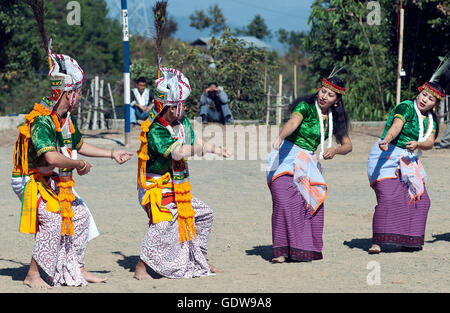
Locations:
(240, 242)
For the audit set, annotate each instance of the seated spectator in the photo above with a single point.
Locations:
(141, 101)
(214, 105)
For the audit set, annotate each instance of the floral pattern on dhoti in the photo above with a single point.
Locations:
(162, 251)
(60, 257)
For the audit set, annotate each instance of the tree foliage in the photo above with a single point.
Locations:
(238, 68)
(257, 28)
(213, 19)
(200, 20)
(95, 44)
(292, 40)
(340, 35)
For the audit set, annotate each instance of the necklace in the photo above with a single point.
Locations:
(423, 138)
(322, 129)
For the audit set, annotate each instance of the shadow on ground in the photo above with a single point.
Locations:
(263, 251)
(365, 243)
(129, 263)
(440, 237)
(359, 243)
(16, 273)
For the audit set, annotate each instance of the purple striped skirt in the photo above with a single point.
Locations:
(398, 219)
(296, 234)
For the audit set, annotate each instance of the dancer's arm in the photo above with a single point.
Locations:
(120, 156)
(426, 145)
(182, 152)
(291, 125)
(199, 148)
(392, 133)
(211, 148)
(345, 147)
(57, 159)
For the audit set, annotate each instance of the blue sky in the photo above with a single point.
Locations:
(287, 14)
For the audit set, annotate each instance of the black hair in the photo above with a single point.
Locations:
(141, 80)
(164, 110)
(435, 118)
(341, 121)
(213, 83)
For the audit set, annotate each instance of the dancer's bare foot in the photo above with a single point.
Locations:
(141, 272)
(90, 278)
(35, 281)
(375, 249)
(280, 259)
(214, 269)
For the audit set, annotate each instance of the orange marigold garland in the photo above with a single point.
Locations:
(66, 182)
(183, 198)
(66, 197)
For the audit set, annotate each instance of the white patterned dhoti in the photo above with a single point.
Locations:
(60, 257)
(162, 251)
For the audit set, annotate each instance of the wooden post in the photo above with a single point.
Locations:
(265, 79)
(94, 118)
(89, 114)
(291, 100)
(83, 116)
(268, 107)
(113, 106)
(102, 114)
(279, 99)
(442, 105)
(295, 80)
(400, 55)
(447, 104)
(80, 103)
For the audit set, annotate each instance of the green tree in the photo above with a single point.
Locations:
(426, 38)
(200, 20)
(214, 19)
(219, 20)
(239, 68)
(257, 28)
(95, 44)
(291, 39)
(295, 55)
(340, 35)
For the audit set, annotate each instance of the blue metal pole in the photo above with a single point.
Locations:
(126, 69)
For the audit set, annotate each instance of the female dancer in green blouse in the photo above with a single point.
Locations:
(293, 173)
(396, 173)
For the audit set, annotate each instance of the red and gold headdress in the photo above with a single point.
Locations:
(436, 93)
(441, 71)
(327, 84)
(333, 87)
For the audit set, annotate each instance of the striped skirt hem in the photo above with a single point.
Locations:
(397, 239)
(297, 254)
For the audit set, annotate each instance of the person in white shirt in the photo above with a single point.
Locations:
(141, 101)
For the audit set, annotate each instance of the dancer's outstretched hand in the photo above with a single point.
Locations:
(225, 152)
(122, 156)
(329, 153)
(412, 145)
(86, 168)
(384, 145)
(277, 143)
